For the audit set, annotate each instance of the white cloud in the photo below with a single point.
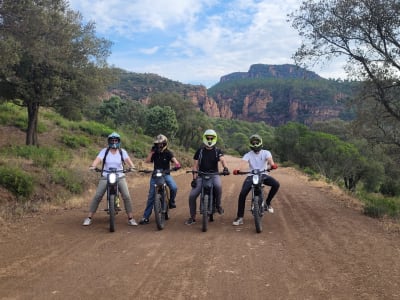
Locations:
(196, 41)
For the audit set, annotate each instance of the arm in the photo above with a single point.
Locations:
(271, 163)
(95, 162)
(129, 162)
(195, 167)
(148, 158)
(177, 165)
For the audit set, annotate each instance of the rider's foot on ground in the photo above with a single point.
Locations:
(211, 218)
(172, 205)
(87, 222)
(237, 222)
(269, 209)
(190, 221)
(220, 210)
(132, 222)
(144, 221)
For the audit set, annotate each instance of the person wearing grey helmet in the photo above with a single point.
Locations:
(112, 156)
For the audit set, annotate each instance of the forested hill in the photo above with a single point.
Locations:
(274, 94)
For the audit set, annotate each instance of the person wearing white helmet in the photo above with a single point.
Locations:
(206, 159)
(112, 156)
(260, 159)
(161, 157)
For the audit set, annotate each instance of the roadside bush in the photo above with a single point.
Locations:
(95, 128)
(16, 181)
(44, 157)
(75, 141)
(380, 207)
(68, 179)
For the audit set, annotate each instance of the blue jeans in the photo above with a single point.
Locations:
(150, 200)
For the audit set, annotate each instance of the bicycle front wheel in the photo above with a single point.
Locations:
(257, 214)
(111, 211)
(205, 199)
(158, 212)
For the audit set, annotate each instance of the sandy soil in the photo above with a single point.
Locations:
(317, 245)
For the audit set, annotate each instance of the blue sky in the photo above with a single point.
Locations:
(197, 41)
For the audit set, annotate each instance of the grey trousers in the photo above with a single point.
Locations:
(195, 192)
(101, 189)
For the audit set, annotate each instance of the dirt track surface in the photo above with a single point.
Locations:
(317, 245)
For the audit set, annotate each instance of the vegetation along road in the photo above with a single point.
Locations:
(317, 245)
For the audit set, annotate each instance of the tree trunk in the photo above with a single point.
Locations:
(31, 132)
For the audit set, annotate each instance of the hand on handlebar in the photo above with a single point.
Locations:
(236, 172)
(274, 166)
(177, 167)
(193, 184)
(225, 171)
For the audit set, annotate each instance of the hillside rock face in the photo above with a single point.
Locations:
(274, 94)
(255, 105)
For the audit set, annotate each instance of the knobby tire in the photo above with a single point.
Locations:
(111, 211)
(158, 212)
(257, 214)
(205, 213)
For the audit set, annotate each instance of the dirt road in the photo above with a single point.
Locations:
(316, 245)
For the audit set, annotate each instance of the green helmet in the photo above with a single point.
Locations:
(209, 138)
(255, 142)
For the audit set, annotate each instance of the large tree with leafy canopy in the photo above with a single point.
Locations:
(49, 58)
(367, 34)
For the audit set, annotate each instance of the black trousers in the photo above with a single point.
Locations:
(246, 187)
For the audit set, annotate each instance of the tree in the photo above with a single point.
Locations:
(185, 114)
(49, 59)
(367, 33)
(161, 120)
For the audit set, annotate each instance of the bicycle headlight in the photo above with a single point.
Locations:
(112, 178)
(256, 179)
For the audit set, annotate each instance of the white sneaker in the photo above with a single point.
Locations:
(87, 222)
(270, 209)
(237, 222)
(132, 222)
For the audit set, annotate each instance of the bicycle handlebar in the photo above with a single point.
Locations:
(205, 173)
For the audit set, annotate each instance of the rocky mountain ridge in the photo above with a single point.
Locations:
(274, 94)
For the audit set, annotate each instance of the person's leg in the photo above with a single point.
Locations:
(218, 193)
(274, 184)
(150, 200)
(194, 193)
(173, 189)
(123, 189)
(242, 196)
(98, 196)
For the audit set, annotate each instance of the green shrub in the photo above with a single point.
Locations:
(42, 157)
(75, 141)
(70, 179)
(95, 128)
(16, 181)
(380, 207)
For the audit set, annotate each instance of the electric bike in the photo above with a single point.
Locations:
(257, 196)
(113, 200)
(207, 197)
(161, 196)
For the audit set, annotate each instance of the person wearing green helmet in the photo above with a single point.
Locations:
(112, 156)
(206, 159)
(261, 159)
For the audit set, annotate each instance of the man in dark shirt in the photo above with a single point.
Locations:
(206, 160)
